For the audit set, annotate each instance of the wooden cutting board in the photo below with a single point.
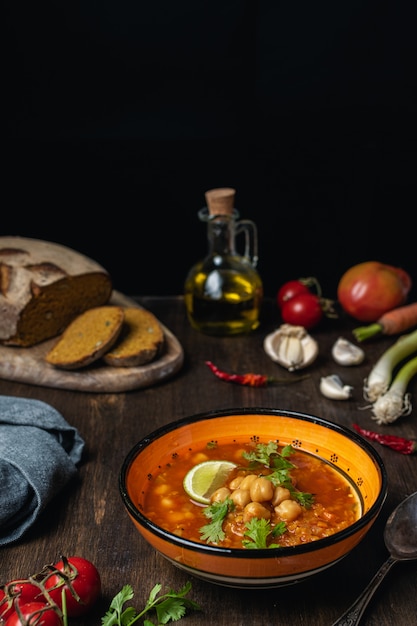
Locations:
(28, 365)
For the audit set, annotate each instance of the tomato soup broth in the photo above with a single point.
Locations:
(335, 503)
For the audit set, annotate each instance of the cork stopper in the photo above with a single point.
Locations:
(220, 201)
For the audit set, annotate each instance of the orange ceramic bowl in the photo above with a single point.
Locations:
(342, 448)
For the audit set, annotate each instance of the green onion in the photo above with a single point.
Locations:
(381, 375)
(396, 401)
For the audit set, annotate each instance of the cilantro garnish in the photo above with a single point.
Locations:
(213, 532)
(169, 607)
(258, 530)
(304, 498)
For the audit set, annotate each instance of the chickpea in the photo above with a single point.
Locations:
(280, 494)
(162, 489)
(220, 494)
(261, 489)
(247, 481)
(167, 502)
(200, 457)
(288, 510)
(255, 509)
(241, 497)
(235, 483)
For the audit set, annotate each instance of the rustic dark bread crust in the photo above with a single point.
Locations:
(43, 287)
(141, 341)
(87, 338)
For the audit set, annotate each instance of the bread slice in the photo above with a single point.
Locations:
(87, 338)
(43, 287)
(140, 342)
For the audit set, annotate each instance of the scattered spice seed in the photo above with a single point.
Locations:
(250, 379)
(400, 444)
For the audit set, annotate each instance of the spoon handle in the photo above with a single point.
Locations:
(352, 616)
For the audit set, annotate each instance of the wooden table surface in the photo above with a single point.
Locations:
(88, 519)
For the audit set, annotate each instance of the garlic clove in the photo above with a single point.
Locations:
(346, 353)
(332, 387)
(291, 346)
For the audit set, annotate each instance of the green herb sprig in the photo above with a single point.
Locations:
(213, 532)
(258, 531)
(169, 607)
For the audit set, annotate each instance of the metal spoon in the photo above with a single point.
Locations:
(400, 536)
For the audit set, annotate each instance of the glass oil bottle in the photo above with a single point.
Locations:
(223, 292)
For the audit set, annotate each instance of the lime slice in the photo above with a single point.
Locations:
(203, 479)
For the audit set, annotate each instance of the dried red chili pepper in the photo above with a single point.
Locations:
(250, 379)
(400, 444)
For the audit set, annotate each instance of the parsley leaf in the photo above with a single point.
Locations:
(115, 615)
(262, 453)
(304, 498)
(217, 511)
(259, 530)
(279, 529)
(170, 606)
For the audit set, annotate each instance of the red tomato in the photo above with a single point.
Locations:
(27, 591)
(38, 613)
(303, 310)
(368, 290)
(21, 591)
(84, 580)
(289, 290)
(5, 607)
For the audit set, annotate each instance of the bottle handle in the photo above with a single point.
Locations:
(249, 229)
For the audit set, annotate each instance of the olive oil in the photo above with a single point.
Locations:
(223, 292)
(235, 311)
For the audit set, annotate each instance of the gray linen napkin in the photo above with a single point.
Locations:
(39, 452)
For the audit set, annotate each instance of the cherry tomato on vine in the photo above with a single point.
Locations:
(5, 609)
(289, 290)
(81, 581)
(35, 613)
(303, 310)
(27, 591)
(18, 591)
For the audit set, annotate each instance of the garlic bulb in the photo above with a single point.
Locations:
(346, 353)
(332, 387)
(291, 346)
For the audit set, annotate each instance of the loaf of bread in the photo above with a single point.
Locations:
(141, 341)
(87, 338)
(43, 287)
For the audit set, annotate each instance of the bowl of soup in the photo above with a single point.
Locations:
(253, 497)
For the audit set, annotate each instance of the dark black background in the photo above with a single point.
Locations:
(120, 115)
